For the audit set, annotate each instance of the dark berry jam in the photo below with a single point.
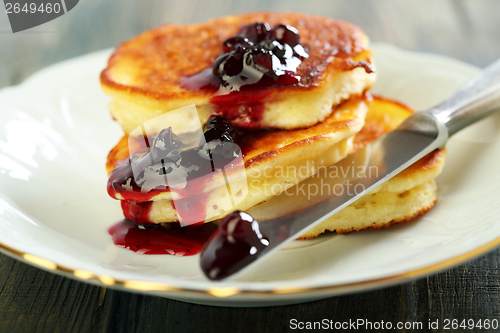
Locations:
(169, 238)
(256, 55)
(167, 167)
(141, 177)
(255, 58)
(232, 246)
(226, 129)
(259, 55)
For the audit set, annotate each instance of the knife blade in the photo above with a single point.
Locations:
(380, 160)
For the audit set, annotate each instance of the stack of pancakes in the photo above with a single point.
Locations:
(304, 127)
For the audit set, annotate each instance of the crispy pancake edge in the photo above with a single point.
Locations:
(342, 44)
(254, 152)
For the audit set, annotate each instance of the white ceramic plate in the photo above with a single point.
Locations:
(55, 133)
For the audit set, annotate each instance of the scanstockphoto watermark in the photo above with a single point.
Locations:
(451, 324)
(318, 181)
(26, 14)
(358, 324)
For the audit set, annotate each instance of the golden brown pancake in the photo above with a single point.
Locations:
(143, 74)
(401, 199)
(274, 160)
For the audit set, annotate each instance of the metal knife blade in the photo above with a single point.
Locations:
(382, 159)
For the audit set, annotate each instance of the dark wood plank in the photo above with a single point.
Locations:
(34, 300)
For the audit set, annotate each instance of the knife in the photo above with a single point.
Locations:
(418, 135)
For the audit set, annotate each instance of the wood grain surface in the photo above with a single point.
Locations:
(34, 300)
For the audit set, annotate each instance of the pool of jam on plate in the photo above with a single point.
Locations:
(233, 246)
(170, 238)
(255, 58)
(167, 167)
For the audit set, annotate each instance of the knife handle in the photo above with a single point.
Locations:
(476, 99)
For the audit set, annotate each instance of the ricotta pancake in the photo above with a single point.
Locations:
(401, 199)
(144, 74)
(273, 160)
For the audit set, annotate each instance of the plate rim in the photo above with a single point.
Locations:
(228, 291)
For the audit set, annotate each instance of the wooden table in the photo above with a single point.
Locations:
(34, 300)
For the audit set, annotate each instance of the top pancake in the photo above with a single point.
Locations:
(146, 69)
(152, 63)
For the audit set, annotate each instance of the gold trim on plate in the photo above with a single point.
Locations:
(222, 292)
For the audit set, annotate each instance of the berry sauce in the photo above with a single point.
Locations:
(234, 245)
(136, 211)
(255, 58)
(167, 167)
(169, 239)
